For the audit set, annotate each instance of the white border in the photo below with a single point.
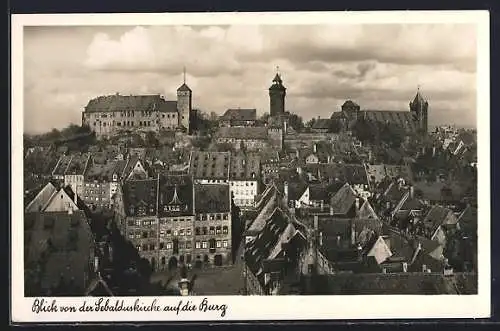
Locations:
(252, 307)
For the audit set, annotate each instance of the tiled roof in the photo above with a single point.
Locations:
(343, 200)
(296, 189)
(214, 198)
(140, 197)
(184, 87)
(240, 114)
(322, 123)
(468, 220)
(438, 216)
(62, 165)
(78, 164)
(403, 119)
(66, 240)
(245, 166)
(258, 133)
(41, 199)
(355, 174)
(212, 165)
(118, 103)
(175, 195)
(270, 243)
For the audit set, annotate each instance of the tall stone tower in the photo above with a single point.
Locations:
(277, 93)
(184, 104)
(419, 107)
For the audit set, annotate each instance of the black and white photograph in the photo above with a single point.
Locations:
(334, 158)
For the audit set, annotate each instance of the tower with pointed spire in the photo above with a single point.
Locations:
(277, 93)
(418, 108)
(184, 103)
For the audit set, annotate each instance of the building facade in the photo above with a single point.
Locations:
(111, 114)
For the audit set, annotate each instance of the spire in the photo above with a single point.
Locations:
(277, 77)
(184, 74)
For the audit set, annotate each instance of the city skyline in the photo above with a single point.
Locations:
(377, 66)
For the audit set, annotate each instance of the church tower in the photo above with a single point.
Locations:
(184, 104)
(419, 107)
(277, 93)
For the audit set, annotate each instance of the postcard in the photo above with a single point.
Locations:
(250, 166)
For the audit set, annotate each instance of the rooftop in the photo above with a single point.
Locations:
(119, 103)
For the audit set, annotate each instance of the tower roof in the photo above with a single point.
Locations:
(277, 79)
(419, 99)
(184, 87)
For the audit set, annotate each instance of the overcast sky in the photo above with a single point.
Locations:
(378, 66)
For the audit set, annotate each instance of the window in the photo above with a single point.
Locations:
(224, 217)
(218, 244)
(131, 235)
(224, 243)
(212, 217)
(144, 247)
(212, 230)
(218, 230)
(205, 230)
(138, 223)
(188, 245)
(219, 217)
(197, 231)
(144, 234)
(175, 233)
(188, 232)
(138, 235)
(181, 232)
(204, 244)
(162, 246)
(169, 245)
(152, 247)
(130, 223)
(138, 247)
(197, 244)
(169, 232)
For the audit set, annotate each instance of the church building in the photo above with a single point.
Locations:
(111, 114)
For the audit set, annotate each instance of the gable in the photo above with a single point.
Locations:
(41, 199)
(380, 251)
(60, 202)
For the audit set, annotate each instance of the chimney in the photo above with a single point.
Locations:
(299, 170)
(321, 239)
(297, 153)
(434, 151)
(412, 192)
(315, 222)
(315, 149)
(76, 198)
(285, 192)
(353, 233)
(96, 263)
(356, 206)
(331, 211)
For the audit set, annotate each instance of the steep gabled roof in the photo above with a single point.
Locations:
(213, 198)
(240, 114)
(342, 202)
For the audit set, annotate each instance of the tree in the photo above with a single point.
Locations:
(311, 122)
(264, 117)
(296, 122)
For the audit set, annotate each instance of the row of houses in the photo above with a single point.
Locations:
(351, 234)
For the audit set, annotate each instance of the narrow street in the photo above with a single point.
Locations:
(225, 280)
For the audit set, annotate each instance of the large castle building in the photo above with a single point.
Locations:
(112, 114)
(414, 120)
